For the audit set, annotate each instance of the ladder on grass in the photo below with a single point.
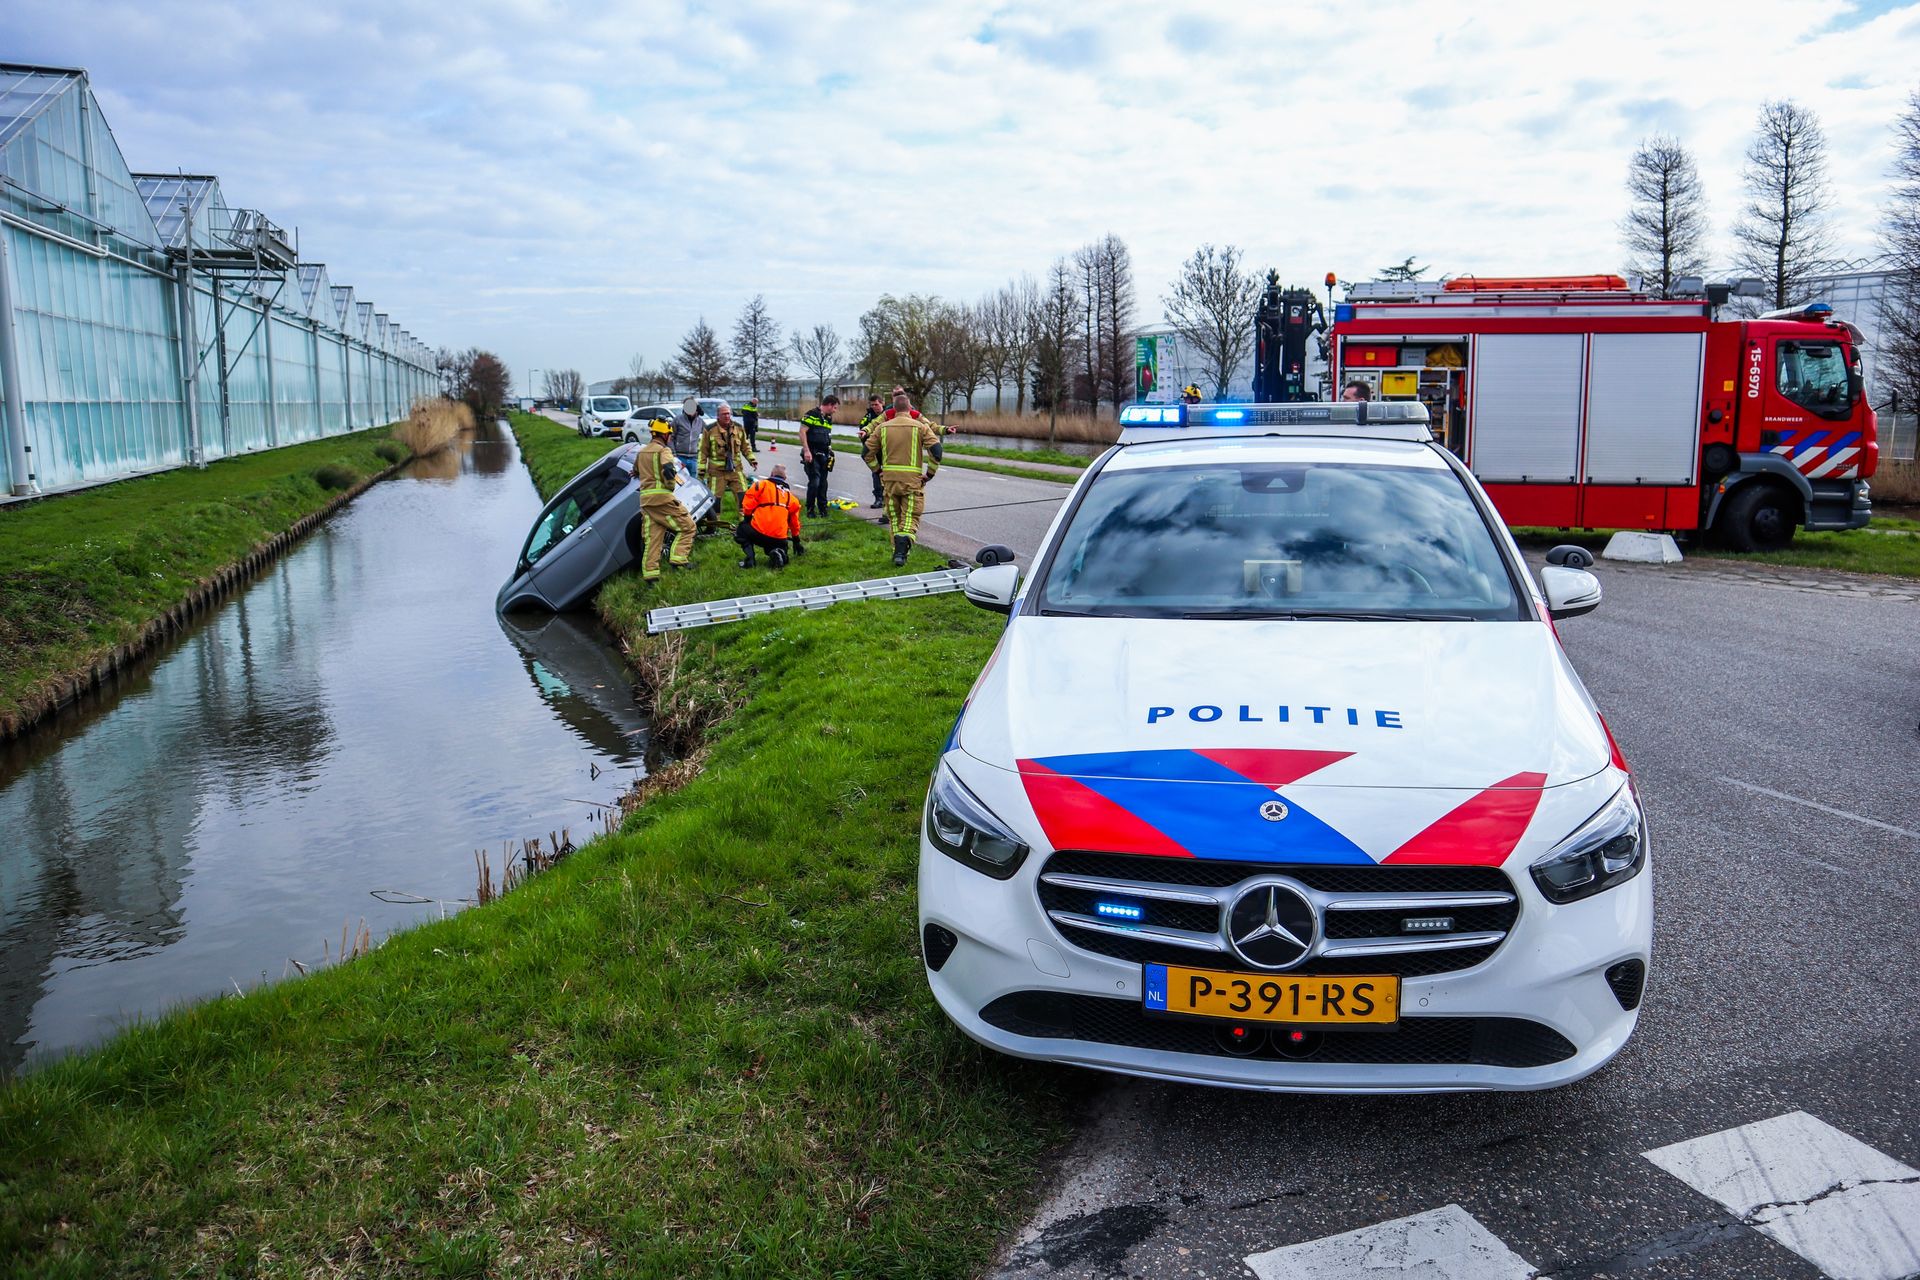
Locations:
(711, 612)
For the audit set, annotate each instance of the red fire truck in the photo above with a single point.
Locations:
(1581, 403)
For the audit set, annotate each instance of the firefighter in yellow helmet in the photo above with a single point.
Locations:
(725, 457)
(904, 447)
(1190, 394)
(656, 471)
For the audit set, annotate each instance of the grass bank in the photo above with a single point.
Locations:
(702, 1045)
(89, 574)
(949, 458)
(1890, 545)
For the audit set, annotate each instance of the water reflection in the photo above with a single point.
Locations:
(353, 721)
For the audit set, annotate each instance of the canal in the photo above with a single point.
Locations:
(357, 722)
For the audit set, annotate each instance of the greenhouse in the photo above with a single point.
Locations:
(146, 323)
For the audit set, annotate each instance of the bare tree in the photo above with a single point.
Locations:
(1116, 319)
(1899, 362)
(1057, 330)
(897, 341)
(1212, 308)
(1783, 235)
(1093, 356)
(817, 352)
(565, 386)
(1665, 229)
(701, 363)
(1022, 300)
(759, 349)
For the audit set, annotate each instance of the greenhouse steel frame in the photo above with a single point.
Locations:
(145, 323)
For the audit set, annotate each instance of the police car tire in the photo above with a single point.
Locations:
(1758, 517)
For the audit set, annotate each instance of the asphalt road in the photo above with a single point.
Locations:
(1772, 719)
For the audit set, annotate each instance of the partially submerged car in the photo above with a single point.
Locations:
(590, 531)
(1279, 778)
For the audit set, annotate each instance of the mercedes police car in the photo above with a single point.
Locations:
(1280, 779)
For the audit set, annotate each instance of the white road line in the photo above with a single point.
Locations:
(1814, 804)
(1442, 1244)
(1850, 1210)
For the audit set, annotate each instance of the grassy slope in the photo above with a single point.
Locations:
(949, 458)
(1884, 547)
(630, 1064)
(84, 572)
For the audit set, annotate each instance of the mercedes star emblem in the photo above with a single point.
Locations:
(1273, 810)
(1271, 926)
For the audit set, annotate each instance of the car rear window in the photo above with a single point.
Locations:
(1263, 539)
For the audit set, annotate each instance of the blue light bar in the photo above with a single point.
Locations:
(1230, 415)
(1119, 910)
(1153, 415)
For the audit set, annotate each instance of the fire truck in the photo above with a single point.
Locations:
(1582, 403)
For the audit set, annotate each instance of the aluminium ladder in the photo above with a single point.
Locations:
(710, 612)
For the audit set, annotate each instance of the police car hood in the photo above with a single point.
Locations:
(1117, 726)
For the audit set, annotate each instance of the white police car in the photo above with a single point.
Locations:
(1280, 779)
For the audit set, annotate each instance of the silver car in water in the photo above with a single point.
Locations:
(590, 531)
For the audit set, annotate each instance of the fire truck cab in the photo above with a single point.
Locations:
(1581, 403)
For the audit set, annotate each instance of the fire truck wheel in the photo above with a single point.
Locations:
(1759, 517)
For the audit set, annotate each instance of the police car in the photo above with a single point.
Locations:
(1280, 779)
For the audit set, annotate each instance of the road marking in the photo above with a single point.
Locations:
(1847, 1208)
(1814, 804)
(1442, 1244)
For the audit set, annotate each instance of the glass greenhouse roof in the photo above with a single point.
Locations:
(26, 91)
(165, 193)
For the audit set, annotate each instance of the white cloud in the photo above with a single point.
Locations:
(570, 183)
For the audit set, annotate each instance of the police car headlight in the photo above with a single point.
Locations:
(964, 829)
(1607, 849)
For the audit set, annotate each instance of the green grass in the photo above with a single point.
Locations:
(703, 1045)
(85, 572)
(1054, 456)
(1882, 547)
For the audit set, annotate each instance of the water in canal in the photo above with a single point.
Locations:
(356, 720)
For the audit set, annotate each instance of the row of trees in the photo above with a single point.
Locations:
(1782, 235)
(477, 378)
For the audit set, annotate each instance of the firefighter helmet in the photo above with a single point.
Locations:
(1190, 393)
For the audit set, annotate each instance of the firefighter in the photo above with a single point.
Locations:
(656, 471)
(876, 409)
(816, 451)
(1190, 394)
(750, 419)
(904, 448)
(770, 520)
(725, 456)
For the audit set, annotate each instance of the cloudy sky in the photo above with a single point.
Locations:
(574, 184)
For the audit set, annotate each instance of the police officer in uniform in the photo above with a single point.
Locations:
(770, 521)
(656, 471)
(816, 451)
(725, 457)
(750, 419)
(876, 409)
(904, 448)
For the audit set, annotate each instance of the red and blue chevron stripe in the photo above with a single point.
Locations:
(1820, 454)
(1183, 804)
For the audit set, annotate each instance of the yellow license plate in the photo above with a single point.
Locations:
(1351, 1000)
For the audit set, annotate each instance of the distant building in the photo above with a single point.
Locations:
(1858, 295)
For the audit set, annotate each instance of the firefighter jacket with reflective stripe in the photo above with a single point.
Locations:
(772, 510)
(903, 444)
(655, 468)
(725, 448)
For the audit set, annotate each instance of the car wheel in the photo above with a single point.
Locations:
(1759, 517)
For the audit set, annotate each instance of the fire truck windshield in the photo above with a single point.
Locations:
(1814, 376)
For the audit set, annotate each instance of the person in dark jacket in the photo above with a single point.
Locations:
(876, 410)
(816, 452)
(686, 429)
(750, 419)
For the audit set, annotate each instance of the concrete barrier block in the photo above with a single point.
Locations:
(1642, 548)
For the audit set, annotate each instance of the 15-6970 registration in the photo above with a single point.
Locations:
(1251, 997)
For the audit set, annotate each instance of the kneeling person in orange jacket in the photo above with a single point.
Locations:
(770, 518)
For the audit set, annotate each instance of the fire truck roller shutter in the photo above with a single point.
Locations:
(1643, 408)
(1526, 408)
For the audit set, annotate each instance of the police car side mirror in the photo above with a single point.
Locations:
(1570, 592)
(992, 554)
(1571, 556)
(993, 586)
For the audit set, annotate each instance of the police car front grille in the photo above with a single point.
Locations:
(1489, 1042)
(1180, 901)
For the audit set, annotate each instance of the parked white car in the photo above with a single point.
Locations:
(1279, 778)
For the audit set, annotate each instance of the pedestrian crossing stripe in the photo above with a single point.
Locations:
(1845, 1207)
(1850, 1210)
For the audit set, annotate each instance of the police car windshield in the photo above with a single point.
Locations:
(1263, 540)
